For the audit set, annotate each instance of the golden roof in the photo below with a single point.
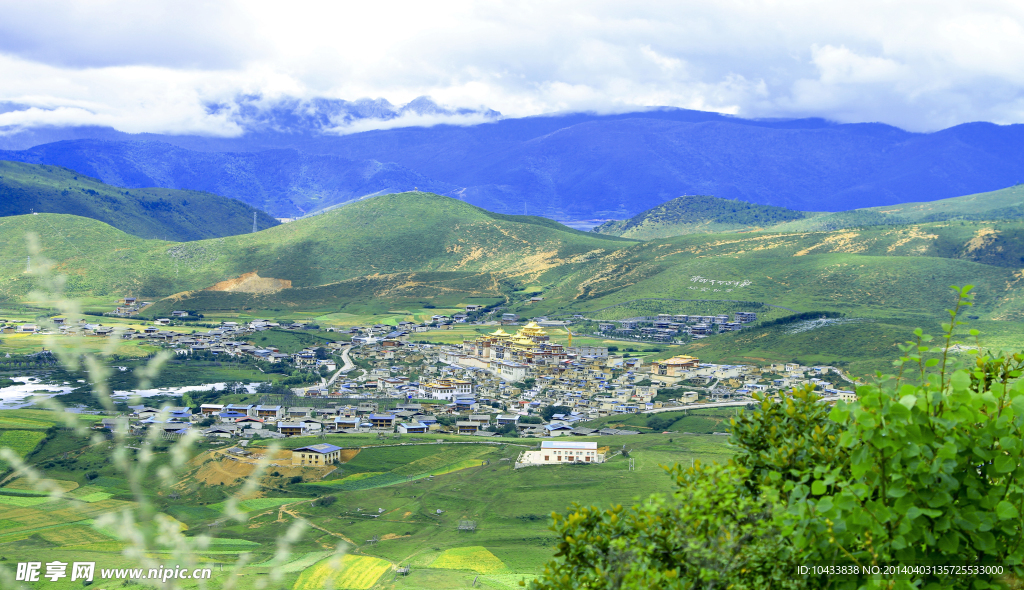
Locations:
(499, 332)
(531, 326)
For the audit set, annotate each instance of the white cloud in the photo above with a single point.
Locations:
(148, 66)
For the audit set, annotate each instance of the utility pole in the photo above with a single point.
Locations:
(253, 222)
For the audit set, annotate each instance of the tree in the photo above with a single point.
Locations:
(925, 468)
(548, 411)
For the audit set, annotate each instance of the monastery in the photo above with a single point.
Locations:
(531, 345)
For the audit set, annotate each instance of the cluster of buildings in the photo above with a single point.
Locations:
(669, 327)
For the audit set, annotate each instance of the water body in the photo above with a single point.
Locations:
(31, 390)
(28, 391)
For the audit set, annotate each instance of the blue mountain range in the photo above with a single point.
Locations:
(296, 158)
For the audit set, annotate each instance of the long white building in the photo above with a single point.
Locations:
(557, 452)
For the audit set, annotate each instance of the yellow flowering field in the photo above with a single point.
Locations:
(357, 572)
(477, 559)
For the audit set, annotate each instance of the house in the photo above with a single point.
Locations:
(382, 421)
(207, 409)
(316, 455)
(247, 409)
(299, 412)
(427, 420)
(222, 431)
(250, 422)
(467, 427)
(557, 429)
(230, 417)
(413, 428)
(329, 363)
(163, 322)
(343, 423)
(558, 452)
(269, 411)
(505, 419)
(482, 419)
(179, 314)
(448, 388)
(291, 428)
(472, 307)
(28, 329)
(145, 412)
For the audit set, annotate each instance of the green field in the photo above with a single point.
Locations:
(466, 481)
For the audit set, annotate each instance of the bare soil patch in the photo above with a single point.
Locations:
(251, 282)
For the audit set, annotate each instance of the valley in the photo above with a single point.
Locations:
(432, 345)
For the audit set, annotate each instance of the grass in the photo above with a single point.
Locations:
(22, 442)
(511, 508)
(26, 419)
(357, 572)
(259, 503)
(477, 559)
(430, 250)
(23, 501)
(147, 212)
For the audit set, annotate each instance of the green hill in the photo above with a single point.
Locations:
(706, 215)
(148, 212)
(1004, 204)
(698, 215)
(385, 248)
(413, 250)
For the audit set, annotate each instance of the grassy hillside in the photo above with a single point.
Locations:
(144, 212)
(378, 249)
(704, 215)
(698, 214)
(414, 250)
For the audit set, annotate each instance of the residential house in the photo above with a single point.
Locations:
(412, 428)
(316, 455)
(270, 412)
(467, 427)
(382, 421)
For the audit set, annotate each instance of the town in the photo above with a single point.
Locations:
(510, 380)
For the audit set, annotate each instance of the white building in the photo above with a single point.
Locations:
(555, 452)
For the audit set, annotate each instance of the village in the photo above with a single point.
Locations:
(512, 380)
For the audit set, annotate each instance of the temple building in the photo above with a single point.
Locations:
(530, 345)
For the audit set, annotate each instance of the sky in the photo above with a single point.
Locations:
(142, 66)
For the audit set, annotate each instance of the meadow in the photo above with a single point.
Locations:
(395, 524)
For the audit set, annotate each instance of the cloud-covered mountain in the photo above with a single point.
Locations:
(288, 115)
(573, 166)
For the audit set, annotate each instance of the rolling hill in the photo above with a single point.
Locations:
(417, 247)
(698, 215)
(566, 166)
(417, 250)
(703, 214)
(375, 249)
(147, 212)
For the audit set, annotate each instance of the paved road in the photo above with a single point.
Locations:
(345, 368)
